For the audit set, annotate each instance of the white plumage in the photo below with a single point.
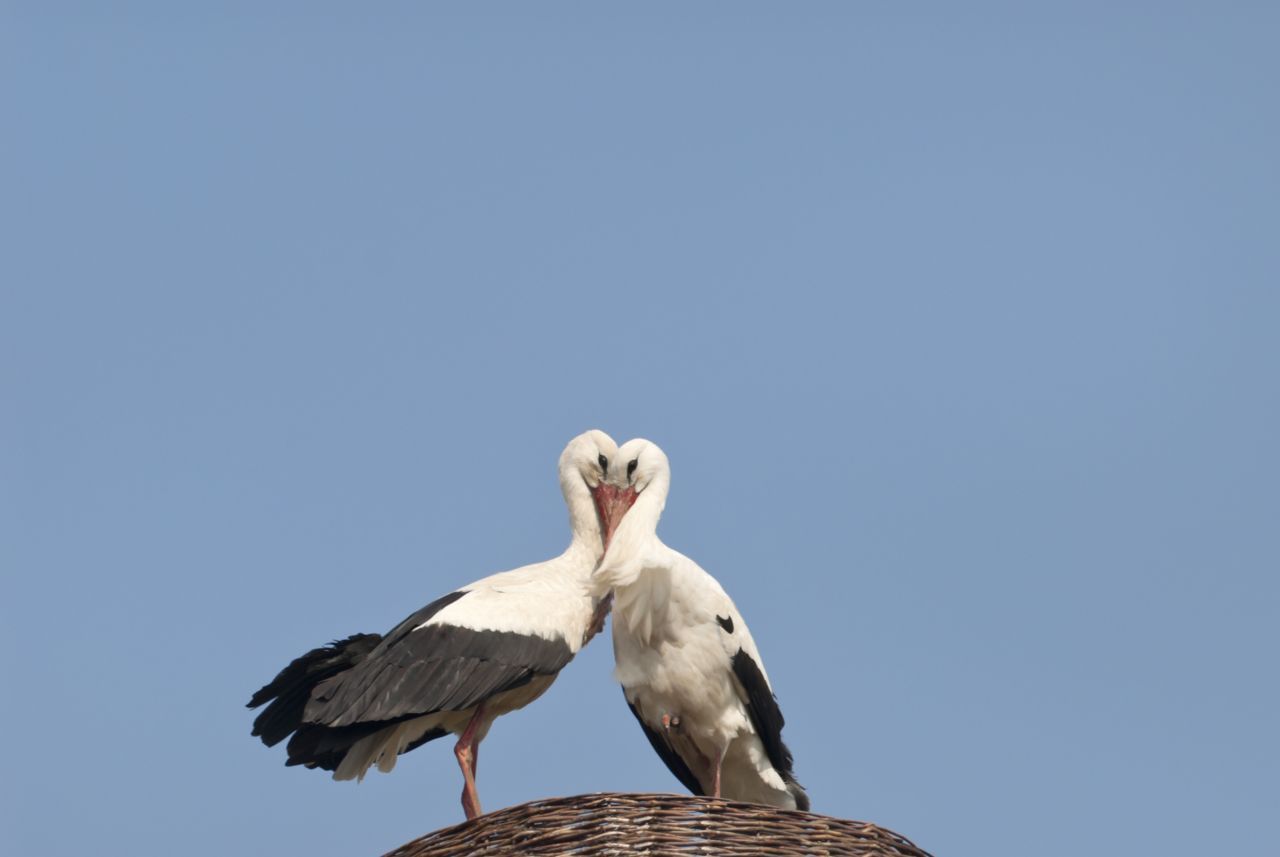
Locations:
(454, 666)
(547, 600)
(685, 658)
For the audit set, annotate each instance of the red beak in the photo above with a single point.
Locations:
(611, 504)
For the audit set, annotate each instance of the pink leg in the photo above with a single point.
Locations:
(467, 752)
(716, 781)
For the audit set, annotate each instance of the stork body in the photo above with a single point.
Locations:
(454, 666)
(686, 660)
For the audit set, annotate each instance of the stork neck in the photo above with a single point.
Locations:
(638, 526)
(647, 510)
(583, 521)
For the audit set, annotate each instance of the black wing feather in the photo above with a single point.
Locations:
(333, 696)
(766, 716)
(325, 748)
(674, 763)
(289, 691)
(416, 671)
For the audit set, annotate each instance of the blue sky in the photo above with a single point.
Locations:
(958, 324)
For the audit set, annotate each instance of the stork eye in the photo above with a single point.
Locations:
(604, 463)
(631, 467)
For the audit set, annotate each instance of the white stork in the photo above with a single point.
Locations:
(483, 650)
(686, 661)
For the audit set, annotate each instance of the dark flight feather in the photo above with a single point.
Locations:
(333, 696)
(436, 668)
(289, 691)
(766, 716)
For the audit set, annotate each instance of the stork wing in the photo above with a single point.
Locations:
(766, 716)
(423, 668)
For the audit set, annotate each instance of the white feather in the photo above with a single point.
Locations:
(553, 600)
(673, 657)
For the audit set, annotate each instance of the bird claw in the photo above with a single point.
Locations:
(670, 722)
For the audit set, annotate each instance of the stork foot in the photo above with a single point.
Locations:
(467, 752)
(470, 796)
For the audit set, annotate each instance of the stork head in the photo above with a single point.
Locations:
(640, 479)
(641, 466)
(584, 467)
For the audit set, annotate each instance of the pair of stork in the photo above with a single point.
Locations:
(687, 664)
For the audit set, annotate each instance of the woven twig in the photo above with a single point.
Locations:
(657, 824)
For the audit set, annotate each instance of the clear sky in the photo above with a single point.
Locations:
(958, 322)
